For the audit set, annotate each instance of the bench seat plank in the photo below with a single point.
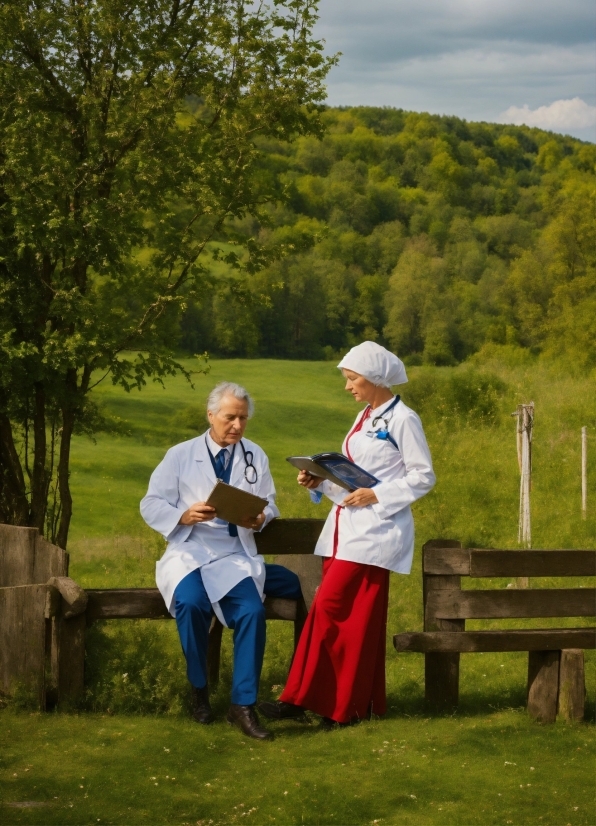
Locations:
(552, 639)
(542, 602)
(147, 603)
(125, 603)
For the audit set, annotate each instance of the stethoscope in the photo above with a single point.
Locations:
(250, 471)
(383, 432)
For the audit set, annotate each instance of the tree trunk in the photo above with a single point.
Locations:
(39, 482)
(68, 421)
(14, 506)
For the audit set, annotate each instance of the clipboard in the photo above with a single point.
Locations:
(233, 504)
(336, 468)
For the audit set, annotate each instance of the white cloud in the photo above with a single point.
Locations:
(469, 58)
(560, 116)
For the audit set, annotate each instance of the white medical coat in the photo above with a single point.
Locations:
(186, 476)
(381, 534)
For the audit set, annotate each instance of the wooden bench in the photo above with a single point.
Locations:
(43, 618)
(292, 541)
(555, 661)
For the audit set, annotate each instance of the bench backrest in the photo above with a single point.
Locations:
(446, 605)
(280, 537)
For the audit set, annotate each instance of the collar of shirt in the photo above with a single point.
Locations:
(215, 448)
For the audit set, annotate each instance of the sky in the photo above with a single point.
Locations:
(503, 61)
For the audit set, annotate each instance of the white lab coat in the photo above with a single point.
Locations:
(381, 534)
(186, 476)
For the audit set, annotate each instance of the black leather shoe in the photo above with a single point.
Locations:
(283, 711)
(245, 717)
(201, 709)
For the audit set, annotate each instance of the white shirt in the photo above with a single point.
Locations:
(186, 476)
(381, 534)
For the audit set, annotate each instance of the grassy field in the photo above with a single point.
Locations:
(114, 760)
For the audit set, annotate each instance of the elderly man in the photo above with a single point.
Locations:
(211, 566)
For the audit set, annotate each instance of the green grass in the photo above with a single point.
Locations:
(495, 768)
(472, 768)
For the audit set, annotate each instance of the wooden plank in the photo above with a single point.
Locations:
(71, 658)
(572, 686)
(544, 602)
(49, 560)
(511, 640)
(125, 603)
(309, 570)
(75, 598)
(282, 609)
(447, 561)
(17, 556)
(543, 685)
(214, 652)
(531, 563)
(441, 670)
(441, 681)
(27, 558)
(289, 536)
(147, 603)
(23, 640)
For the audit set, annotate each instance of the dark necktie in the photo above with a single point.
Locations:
(220, 467)
(220, 463)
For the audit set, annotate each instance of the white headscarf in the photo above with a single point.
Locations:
(375, 363)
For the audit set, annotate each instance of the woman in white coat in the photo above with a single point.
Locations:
(339, 667)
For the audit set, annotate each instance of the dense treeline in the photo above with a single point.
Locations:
(434, 236)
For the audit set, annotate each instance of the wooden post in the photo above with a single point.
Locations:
(441, 670)
(572, 689)
(584, 472)
(525, 423)
(23, 640)
(543, 685)
(214, 652)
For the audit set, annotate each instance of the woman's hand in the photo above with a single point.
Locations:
(361, 498)
(199, 512)
(307, 480)
(253, 522)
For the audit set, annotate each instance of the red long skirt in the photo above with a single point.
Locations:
(339, 666)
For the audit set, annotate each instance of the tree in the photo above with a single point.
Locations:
(128, 142)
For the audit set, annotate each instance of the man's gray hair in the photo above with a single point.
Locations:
(228, 388)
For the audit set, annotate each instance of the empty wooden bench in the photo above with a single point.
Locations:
(555, 662)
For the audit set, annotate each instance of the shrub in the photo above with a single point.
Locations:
(467, 397)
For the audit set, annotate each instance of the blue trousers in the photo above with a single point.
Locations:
(244, 613)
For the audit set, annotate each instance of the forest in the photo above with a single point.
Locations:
(434, 236)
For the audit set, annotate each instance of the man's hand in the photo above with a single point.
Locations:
(361, 498)
(253, 523)
(307, 480)
(199, 512)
